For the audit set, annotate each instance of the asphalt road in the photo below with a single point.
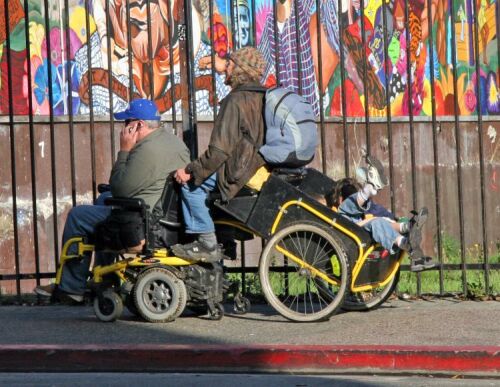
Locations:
(439, 322)
(230, 380)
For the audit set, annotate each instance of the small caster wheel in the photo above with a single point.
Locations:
(108, 306)
(217, 313)
(241, 305)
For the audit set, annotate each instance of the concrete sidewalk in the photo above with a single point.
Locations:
(418, 336)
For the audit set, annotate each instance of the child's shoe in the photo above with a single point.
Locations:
(373, 174)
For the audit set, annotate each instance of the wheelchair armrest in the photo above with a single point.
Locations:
(127, 203)
(103, 187)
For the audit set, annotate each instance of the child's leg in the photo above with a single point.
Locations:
(382, 232)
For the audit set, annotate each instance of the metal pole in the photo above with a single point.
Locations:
(52, 137)
(481, 154)
(342, 89)
(458, 151)
(32, 148)
(190, 135)
(12, 151)
(91, 106)
(388, 105)
(435, 146)
(70, 104)
(320, 80)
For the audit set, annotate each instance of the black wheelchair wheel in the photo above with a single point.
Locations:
(304, 272)
(372, 299)
(159, 295)
(241, 305)
(217, 313)
(109, 306)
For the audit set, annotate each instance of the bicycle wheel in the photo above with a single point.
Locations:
(304, 272)
(372, 299)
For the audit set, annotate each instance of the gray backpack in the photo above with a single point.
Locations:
(291, 134)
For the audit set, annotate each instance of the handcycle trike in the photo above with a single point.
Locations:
(313, 262)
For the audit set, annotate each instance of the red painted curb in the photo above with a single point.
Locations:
(255, 358)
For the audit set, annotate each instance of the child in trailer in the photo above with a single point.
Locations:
(353, 201)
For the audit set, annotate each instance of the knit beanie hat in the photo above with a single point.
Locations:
(250, 61)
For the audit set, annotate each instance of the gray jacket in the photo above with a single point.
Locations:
(141, 173)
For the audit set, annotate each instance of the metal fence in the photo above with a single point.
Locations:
(432, 126)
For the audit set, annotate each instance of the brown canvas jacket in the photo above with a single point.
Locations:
(236, 138)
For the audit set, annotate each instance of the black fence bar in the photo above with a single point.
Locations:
(12, 132)
(404, 268)
(459, 149)
(171, 64)
(276, 43)
(150, 53)
(212, 56)
(320, 85)
(233, 21)
(189, 124)
(298, 52)
(52, 138)
(70, 104)
(254, 29)
(342, 86)
(435, 149)
(129, 52)
(484, 219)
(388, 105)
(365, 74)
(409, 77)
(110, 83)
(91, 105)
(34, 205)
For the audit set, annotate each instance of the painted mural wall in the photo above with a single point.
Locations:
(129, 57)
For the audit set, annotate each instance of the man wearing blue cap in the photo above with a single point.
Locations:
(148, 154)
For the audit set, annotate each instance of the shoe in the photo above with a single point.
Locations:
(53, 289)
(45, 290)
(376, 175)
(197, 251)
(416, 224)
(421, 263)
(373, 174)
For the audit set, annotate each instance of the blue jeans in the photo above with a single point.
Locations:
(194, 206)
(81, 221)
(379, 228)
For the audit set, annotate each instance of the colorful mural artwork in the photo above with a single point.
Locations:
(386, 66)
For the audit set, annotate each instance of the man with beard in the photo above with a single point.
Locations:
(232, 156)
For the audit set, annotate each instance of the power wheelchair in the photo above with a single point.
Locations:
(314, 261)
(150, 283)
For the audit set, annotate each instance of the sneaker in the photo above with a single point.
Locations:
(45, 290)
(416, 224)
(373, 174)
(422, 263)
(197, 251)
(376, 175)
(53, 289)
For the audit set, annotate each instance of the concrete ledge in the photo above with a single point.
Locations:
(255, 358)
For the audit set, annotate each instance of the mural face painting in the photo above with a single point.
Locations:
(372, 40)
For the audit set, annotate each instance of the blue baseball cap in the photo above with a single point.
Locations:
(139, 109)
